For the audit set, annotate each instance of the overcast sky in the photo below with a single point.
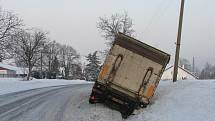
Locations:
(73, 22)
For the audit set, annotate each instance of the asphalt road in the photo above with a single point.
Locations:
(63, 103)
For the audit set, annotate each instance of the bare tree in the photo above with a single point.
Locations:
(114, 24)
(185, 63)
(9, 24)
(27, 46)
(208, 72)
(67, 57)
(51, 51)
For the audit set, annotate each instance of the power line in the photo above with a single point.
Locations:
(159, 12)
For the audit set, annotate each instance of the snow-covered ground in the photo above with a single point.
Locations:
(181, 101)
(9, 85)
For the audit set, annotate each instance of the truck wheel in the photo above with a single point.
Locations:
(143, 106)
(124, 115)
(125, 112)
(91, 101)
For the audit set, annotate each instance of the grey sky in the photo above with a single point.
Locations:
(73, 22)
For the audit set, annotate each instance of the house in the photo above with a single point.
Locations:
(183, 74)
(12, 71)
(5, 72)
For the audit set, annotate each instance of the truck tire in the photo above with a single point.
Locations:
(91, 101)
(143, 106)
(127, 110)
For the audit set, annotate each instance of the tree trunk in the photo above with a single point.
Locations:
(1, 58)
(29, 73)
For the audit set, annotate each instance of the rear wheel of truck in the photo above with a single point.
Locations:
(143, 105)
(127, 110)
(91, 101)
(127, 113)
(96, 97)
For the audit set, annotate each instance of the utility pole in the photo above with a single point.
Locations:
(178, 41)
(193, 65)
(41, 65)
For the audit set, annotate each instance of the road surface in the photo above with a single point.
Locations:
(62, 103)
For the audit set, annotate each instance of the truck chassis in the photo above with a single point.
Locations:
(124, 104)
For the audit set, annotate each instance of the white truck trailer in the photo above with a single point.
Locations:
(129, 75)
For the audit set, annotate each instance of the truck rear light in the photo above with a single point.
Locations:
(93, 97)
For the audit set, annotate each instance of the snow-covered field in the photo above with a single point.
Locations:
(181, 101)
(9, 85)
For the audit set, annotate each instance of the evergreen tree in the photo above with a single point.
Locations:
(91, 70)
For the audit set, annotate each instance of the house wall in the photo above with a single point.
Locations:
(182, 75)
(12, 71)
(7, 73)
(3, 71)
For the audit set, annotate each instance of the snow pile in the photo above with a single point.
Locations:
(9, 85)
(185, 100)
(181, 101)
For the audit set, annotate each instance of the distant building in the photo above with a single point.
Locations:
(12, 71)
(183, 74)
(7, 72)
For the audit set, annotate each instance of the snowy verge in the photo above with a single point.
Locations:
(187, 100)
(9, 85)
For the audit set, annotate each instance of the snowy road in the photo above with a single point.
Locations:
(63, 103)
(45, 104)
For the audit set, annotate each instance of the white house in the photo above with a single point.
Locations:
(12, 71)
(183, 74)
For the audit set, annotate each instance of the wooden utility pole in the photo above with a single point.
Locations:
(178, 41)
(193, 65)
(41, 65)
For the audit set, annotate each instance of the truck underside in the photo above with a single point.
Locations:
(117, 100)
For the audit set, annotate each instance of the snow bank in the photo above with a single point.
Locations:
(181, 101)
(9, 85)
(187, 100)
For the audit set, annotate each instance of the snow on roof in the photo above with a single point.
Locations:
(184, 70)
(18, 70)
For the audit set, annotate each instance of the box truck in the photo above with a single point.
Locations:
(129, 76)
